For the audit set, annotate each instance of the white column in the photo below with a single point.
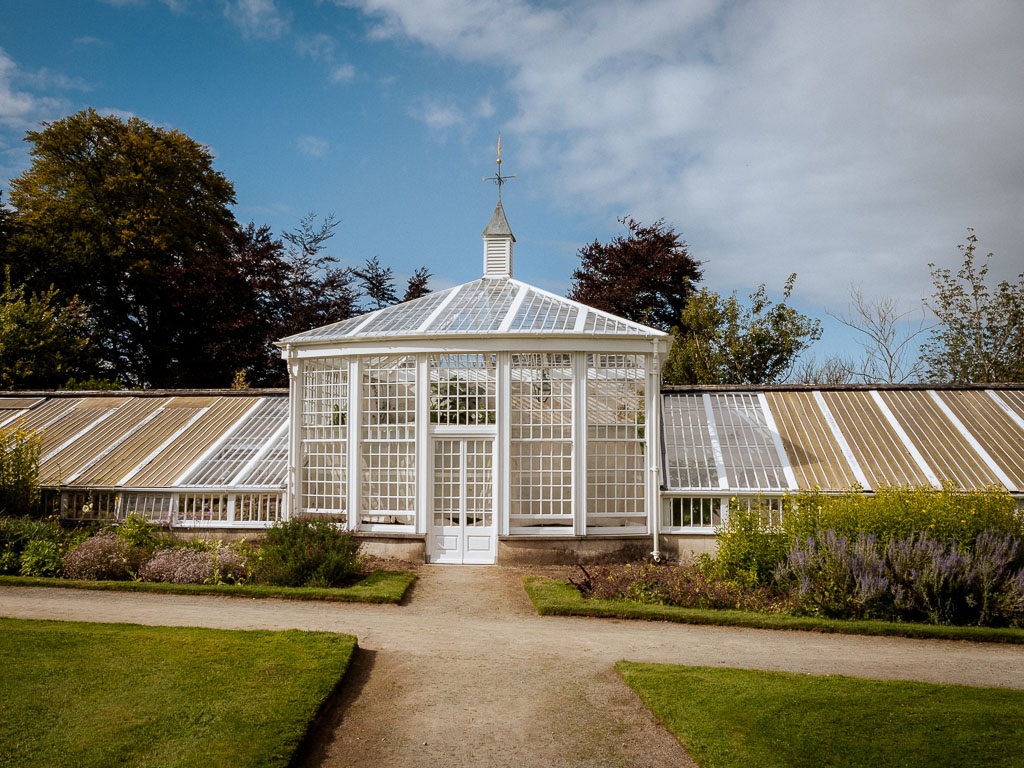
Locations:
(652, 398)
(579, 439)
(423, 501)
(502, 442)
(355, 399)
(296, 371)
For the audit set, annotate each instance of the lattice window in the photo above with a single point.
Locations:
(324, 436)
(447, 491)
(258, 507)
(541, 448)
(479, 483)
(462, 389)
(88, 505)
(691, 512)
(203, 508)
(388, 450)
(616, 432)
(157, 507)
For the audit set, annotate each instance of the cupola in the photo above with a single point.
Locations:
(498, 240)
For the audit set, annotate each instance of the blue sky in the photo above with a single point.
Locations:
(852, 143)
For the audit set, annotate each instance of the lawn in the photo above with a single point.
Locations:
(734, 718)
(84, 695)
(552, 597)
(377, 587)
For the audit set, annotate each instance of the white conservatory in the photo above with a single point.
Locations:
(489, 412)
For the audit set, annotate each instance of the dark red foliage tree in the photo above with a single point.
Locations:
(645, 275)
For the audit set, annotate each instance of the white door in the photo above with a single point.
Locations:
(462, 519)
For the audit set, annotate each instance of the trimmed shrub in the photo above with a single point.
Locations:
(306, 553)
(104, 556)
(190, 565)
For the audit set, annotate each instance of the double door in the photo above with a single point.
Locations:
(462, 528)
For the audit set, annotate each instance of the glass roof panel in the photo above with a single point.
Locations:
(478, 307)
(272, 468)
(598, 322)
(748, 449)
(242, 446)
(539, 312)
(406, 317)
(686, 441)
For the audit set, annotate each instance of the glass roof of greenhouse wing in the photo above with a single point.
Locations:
(488, 306)
(777, 439)
(156, 440)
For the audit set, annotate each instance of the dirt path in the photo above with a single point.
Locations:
(466, 674)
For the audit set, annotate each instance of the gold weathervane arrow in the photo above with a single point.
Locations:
(497, 178)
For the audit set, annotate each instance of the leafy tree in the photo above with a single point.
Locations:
(980, 332)
(417, 285)
(43, 343)
(720, 341)
(378, 283)
(133, 219)
(646, 275)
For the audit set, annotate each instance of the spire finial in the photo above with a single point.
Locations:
(497, 178)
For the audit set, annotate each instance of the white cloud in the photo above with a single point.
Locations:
(259, 19)
(312, 146)
(342, 73)
(318, 46)
(846, 142)
(438, 117)
(21, 106)
(484, 108)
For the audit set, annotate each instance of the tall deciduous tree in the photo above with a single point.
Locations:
(721, 341)
(132, 218)
(980, 331)
(646, 275)
(887, 335)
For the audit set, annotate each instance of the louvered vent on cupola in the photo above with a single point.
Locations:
(498, 240)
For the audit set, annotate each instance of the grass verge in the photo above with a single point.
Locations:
(377, 587)
(557, 598)
(85, 695)
(736, 718)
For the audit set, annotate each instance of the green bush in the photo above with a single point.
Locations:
(35, 547)
(138, 532)
(948, 515)
(19, 470)
(306, 553)
(750, 547)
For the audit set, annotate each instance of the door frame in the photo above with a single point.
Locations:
(462, 434)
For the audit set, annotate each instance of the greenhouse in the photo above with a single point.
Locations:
(491, 410)
(497, 422)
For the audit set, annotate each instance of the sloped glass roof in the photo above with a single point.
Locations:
(779, 440)
(490, 305)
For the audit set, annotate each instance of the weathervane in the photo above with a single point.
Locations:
(497, 178)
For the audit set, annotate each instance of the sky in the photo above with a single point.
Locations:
(850, 143)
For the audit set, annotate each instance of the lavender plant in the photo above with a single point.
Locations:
(104, 556)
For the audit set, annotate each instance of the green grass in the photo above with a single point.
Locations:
(377, 587)
(557, 598)
(85, 695)
(735, 718)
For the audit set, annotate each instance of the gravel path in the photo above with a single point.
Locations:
(466, 674)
